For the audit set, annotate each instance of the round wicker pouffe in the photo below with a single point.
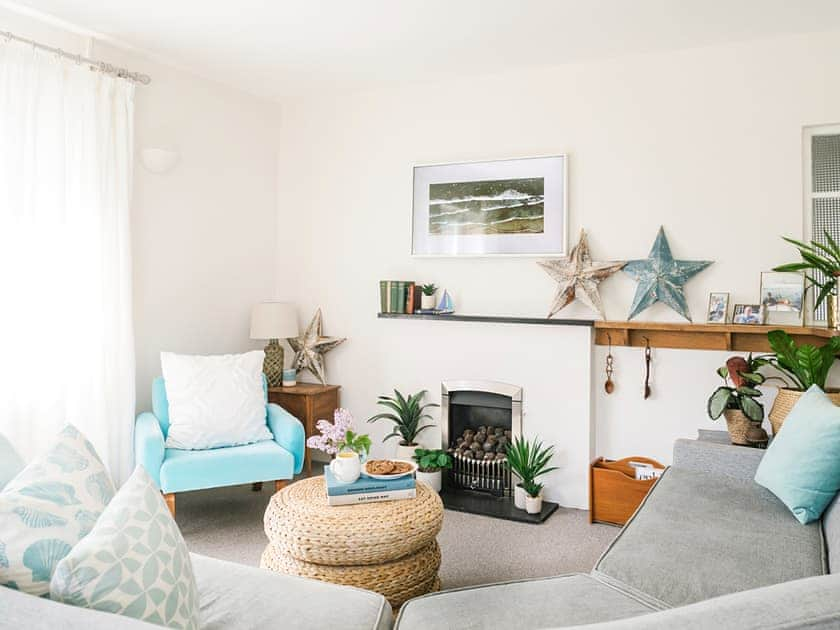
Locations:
(387, 547)
(398, 580)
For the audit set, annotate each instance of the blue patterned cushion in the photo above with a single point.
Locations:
(47, 508)
(133, 563)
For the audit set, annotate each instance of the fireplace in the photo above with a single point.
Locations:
(479, 419)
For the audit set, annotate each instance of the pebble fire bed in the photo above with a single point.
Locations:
(479, 460)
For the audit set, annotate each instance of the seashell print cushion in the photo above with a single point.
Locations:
(134, 562)
(49, 507)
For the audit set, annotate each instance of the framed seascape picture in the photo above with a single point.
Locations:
(718, 307)
(500, 208)
(782, 296)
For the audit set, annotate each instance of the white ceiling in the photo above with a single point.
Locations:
(276, 48)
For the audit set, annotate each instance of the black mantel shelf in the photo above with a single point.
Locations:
(493, 319)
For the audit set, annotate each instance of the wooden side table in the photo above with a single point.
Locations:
(309, 403)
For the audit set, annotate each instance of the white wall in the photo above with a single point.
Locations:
(203, 236)
(706, 142)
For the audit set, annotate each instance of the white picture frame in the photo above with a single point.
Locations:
(511, 207)
(782, 295)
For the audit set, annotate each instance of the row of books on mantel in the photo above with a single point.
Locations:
(368, 490)
(399, 296)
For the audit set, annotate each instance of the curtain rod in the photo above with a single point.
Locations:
(100, 66)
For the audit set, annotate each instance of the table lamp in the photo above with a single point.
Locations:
(274, 321)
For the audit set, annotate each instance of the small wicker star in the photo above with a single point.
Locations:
(310, 348)
(578, 277)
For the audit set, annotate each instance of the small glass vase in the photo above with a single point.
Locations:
(833, 310)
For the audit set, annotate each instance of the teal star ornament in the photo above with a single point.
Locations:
(661, 278)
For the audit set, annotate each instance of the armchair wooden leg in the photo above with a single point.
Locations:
(279, 484)
(170, 502)
(256, 486)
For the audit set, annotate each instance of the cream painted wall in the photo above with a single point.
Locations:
(706, 142)
(203, 235)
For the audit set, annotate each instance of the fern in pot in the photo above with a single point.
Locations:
(737, 399)
(801, 367)
(407, 414)
(430, 465)
(529, 460)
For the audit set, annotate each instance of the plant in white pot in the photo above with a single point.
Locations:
(407, 416)
(430, 466)
(529, 460)
(427, 300)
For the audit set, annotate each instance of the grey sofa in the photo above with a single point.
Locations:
(708, 548)
(232, 597)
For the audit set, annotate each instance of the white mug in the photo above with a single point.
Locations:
(347, 466)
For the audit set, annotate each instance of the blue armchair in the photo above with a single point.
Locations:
(175, 470)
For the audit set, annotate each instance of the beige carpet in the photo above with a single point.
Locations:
(227, 523)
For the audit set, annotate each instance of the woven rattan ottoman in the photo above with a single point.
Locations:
(386, 547)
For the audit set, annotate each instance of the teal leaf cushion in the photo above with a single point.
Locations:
(802, 464)
(47, 508)
(134, 562)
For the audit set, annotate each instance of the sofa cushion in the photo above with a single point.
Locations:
(831, 531)
(134, 562)
(182, 471)
(802, 464)
(700, 535)
(237, 597)
(47, 508)
(559, 601)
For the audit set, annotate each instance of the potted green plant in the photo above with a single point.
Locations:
(825, 259)
(736, 399)
(801, 367)
(427, 300)
(529, 460)
(407, 415)
(430, 464)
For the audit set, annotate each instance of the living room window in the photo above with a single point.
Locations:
(822, 187)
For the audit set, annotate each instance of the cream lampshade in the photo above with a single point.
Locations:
(274, 321)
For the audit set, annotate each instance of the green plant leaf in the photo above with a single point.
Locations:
(753, 409)
(748, 391)
(719, 401)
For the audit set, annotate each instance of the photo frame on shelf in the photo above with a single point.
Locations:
(718, 308)
(515, 207)
(749, 314)
(783, 297)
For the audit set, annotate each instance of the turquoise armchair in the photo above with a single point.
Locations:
(175, 470)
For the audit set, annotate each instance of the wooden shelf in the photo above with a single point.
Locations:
(737, 337)
(493, 319)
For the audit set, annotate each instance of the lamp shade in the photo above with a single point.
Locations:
(274, 320)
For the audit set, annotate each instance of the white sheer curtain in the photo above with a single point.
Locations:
(66, 339)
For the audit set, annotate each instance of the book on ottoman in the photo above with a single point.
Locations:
(368, 490)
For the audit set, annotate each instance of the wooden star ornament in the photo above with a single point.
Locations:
(310, 348)
(578, 277)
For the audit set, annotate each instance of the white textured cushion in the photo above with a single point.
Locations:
(134, 562)
(47, 508)
(215, 400)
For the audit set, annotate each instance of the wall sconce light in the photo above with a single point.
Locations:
(158, 160)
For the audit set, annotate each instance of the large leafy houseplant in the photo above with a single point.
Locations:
(817, 257)
(406, 414)
(802, 365)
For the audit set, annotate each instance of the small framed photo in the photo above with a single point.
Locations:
(748, 314)
(718, 308)
(783, 296)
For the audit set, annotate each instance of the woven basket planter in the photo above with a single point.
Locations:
(398, 580)
(786, 399)
(737, 424)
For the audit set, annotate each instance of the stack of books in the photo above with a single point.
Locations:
(368, 490)
(398, 296)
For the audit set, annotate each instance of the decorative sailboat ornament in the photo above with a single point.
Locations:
(446, 305)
